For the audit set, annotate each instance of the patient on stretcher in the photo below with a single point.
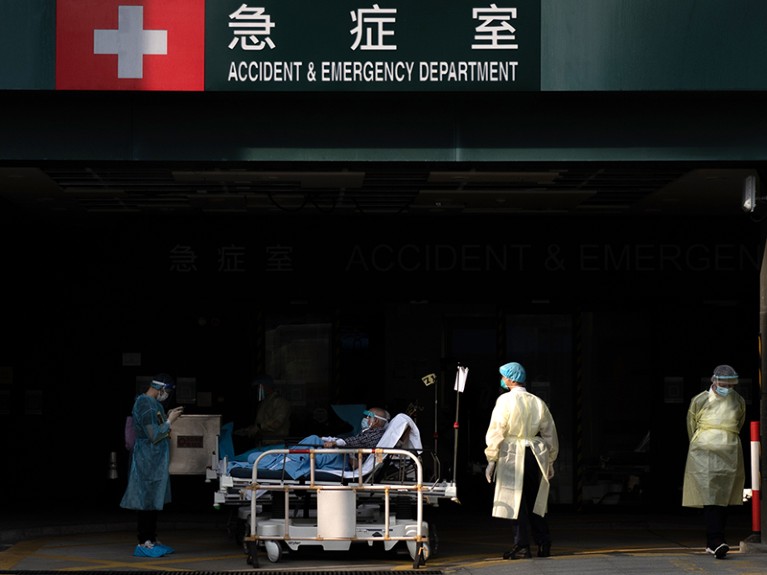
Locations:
(401, 432)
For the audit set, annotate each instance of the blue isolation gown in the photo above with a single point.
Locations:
(149, 479)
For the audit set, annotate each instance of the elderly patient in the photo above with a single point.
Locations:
(373, 424)
(401, 432)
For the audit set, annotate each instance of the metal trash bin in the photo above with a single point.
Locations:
(194, 444)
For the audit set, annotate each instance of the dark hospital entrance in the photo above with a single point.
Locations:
(619, 322)
(352, 239)
(618, 383)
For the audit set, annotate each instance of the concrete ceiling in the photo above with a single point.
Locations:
(577, 190)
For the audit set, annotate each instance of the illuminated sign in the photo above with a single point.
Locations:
(297, 45)
(130, 45)
(382, 45)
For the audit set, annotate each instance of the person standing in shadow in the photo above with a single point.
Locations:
(272, 421)
(148, 487)
(714, 474)
(522, 445)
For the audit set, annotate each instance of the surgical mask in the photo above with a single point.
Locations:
(504, 386)
(364, 423)
(162, 396)
(723, 391)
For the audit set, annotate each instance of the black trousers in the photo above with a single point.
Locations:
(716, 523)
(147, 525)
(528, 523)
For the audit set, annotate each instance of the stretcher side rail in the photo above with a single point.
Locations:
(237, 489)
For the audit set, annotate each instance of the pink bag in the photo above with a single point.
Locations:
(130, 433)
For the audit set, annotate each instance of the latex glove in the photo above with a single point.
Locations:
(550, 472)
(489, 471)
(174, 414)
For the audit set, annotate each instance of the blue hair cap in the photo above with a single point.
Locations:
(514, 372)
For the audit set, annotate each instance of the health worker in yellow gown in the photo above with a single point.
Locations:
(714, 475)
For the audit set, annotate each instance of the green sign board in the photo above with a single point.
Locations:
(382, 45)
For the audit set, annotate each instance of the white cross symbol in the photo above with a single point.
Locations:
(130, 42)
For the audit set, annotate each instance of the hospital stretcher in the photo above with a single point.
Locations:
(380, 500)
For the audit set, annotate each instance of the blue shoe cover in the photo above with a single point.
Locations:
(165, 548)
(142, 551)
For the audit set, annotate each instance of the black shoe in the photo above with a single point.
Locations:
(518, 552)
(544, 550)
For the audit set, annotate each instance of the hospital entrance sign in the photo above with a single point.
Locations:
(482, 46)
(383, 45)
(298, 45)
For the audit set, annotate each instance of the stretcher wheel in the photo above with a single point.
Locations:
(244, 533)
(273, 551)
(433, 544)
(240, 531)
(418, 557)
(421, 552)
(252, 554)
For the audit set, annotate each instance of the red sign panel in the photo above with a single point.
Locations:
(130, 45)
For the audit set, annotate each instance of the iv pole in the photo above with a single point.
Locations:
(436, 416)
(430, 380)
(460, 381)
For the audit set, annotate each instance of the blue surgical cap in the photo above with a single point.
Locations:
(513, 371)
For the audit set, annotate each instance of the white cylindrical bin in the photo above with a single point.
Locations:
(336, 514)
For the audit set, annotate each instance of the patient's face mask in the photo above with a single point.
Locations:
(364, 423)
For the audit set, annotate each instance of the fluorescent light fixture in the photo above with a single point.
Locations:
(749, 194)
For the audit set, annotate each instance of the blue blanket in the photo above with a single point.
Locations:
(295, 465)
(400, 432)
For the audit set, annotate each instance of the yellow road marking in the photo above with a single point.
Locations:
(10, 557)
(132, 563)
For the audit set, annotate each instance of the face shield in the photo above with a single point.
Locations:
(725, 376)
(368, 415)
(163, 388)
(724, 379)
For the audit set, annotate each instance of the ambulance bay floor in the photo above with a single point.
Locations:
(48, 539)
